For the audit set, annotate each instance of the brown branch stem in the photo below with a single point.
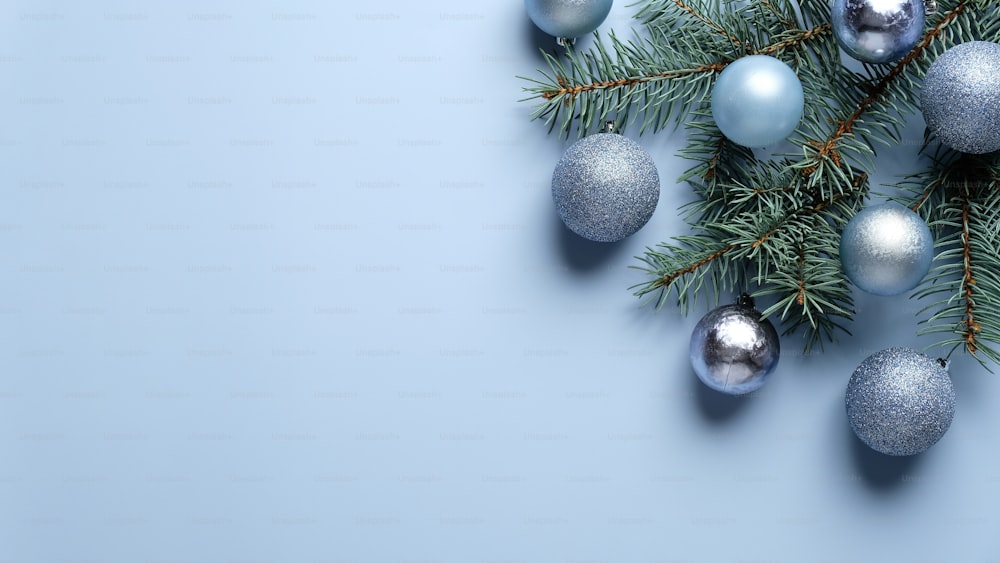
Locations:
(968, 281)
(711, 24)
(668, 279)
(800, 298)
(931, 188)
(572, 91)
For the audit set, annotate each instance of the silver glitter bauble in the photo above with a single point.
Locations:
(605, 187)
(886, 249)
(733, 350)
(900, 402)
(961, 97)
(877, 31)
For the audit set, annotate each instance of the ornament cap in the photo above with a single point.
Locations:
(566, 42)
(745, 300)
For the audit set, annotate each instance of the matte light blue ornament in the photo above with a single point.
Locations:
(886, 249)
(757, 101)
(877, 31)
(733, 350)
(605, 187)
(568, 18)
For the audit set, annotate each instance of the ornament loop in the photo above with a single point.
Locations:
(930, 7)
(610, 126)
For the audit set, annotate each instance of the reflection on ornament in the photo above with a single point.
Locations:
(900, 402)
(877, 31)
(886, 249)
(733, 350)
(961, 97)
(566, 19)
(605, 187)
(757, 101)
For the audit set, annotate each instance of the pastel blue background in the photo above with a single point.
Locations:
(283, 282)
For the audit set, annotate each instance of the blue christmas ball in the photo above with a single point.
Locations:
(877, 31)
(605, 187)
(961, 97)
(568, 18)
(900, 402)
(886, 249)
(757, 101)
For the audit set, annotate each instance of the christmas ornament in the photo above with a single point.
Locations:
(566, 19)
(886, 249)
(733, 350)
(605, 187)
(961, 97)
(877, 31)
(757, 101)
(900, 402)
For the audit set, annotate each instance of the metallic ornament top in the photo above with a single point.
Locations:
(566, 19)
(877, 31)
(733, 350)
(900, 402)
(605, 187)
(757, 101)
(886, 249)
(961, 97)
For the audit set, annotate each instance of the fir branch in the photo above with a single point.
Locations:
(667, 279)
(828, 149)
(746, 240)
(796, 40)
(968, 323)
(566, 90)
(932, 187)
(966, 279)
(709, 23)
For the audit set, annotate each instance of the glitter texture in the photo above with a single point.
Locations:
(886, 249)
(877, 31)
(961, 97)
(732, 350)
(900, 402)
(605, 187)
(568, 18)
(757, 101)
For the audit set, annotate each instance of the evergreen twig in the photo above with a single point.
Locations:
(775, 223)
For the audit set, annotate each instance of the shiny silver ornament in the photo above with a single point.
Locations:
(605, 187)
(961, 97)
(877, 31)
(886, 249)
(900, 402)
(733, 350)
